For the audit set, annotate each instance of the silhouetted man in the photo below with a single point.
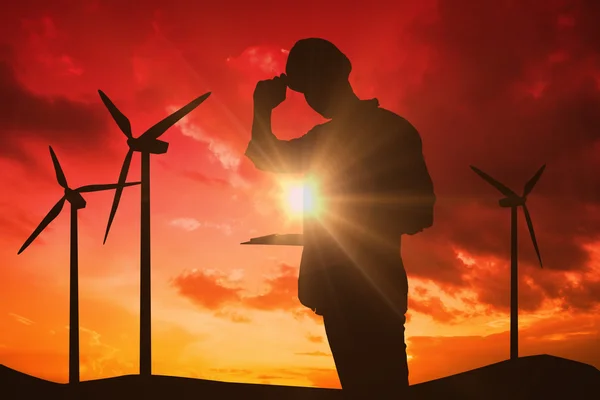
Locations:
(375, 187)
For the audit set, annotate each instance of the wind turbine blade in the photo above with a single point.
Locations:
(503, 189)
(529, 185)
(98, 188)
(117, 115)
(45, 222)
(60, 175)
(161, 127)
(532, 233)
(119, 191)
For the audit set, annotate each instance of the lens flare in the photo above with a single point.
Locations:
(300, 197)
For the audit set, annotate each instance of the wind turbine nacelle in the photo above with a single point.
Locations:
(75, 199)
(153, 146)
(509, 202)
(157, 147)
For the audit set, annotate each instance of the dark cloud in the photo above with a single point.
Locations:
(26, 116)
(476, 106)
(507, 88)
(492, 286)
(431, 257)
(581, 297)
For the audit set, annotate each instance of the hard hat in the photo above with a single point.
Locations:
(315, 61)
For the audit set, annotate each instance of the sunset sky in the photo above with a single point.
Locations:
(506, 86)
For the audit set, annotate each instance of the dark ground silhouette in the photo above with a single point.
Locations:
(535, 377)
(374, 180)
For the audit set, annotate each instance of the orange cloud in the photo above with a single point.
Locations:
(434, 307)
(435, 357)
(315, 338)
(206, 289)
(281, 293)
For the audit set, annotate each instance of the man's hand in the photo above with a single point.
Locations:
(269, 93)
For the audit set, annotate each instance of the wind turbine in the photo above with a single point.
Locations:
(77, 202)
(146, 144)
(513, 201)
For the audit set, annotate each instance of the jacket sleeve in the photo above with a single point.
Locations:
(283, 156)
(402, 189)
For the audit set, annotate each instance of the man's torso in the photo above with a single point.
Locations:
(341, 252)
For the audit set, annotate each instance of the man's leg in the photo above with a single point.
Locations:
(368, 348)
(389, 354)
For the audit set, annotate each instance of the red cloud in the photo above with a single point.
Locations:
(58, 119)
(259, 62)
(488, 118)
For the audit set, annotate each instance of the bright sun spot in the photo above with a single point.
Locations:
(296, 198)
(300, 197)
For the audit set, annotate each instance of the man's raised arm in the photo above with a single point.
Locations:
(265, 150)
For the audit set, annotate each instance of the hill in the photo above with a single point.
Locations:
(534, 377)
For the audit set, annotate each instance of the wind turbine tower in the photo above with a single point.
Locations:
(77, 202)
(146, 144)
(514, 201)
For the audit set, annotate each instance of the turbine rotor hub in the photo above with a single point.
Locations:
(75, 198)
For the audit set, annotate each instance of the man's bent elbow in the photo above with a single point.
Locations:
(264, 163)
(259, 162)
(273, 158)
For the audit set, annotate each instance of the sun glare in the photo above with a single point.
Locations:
(296, 199)
(300, 197)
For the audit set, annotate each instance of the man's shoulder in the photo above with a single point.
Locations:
(313, 134)
(393, 124)
(323, 127)
(393, 120)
